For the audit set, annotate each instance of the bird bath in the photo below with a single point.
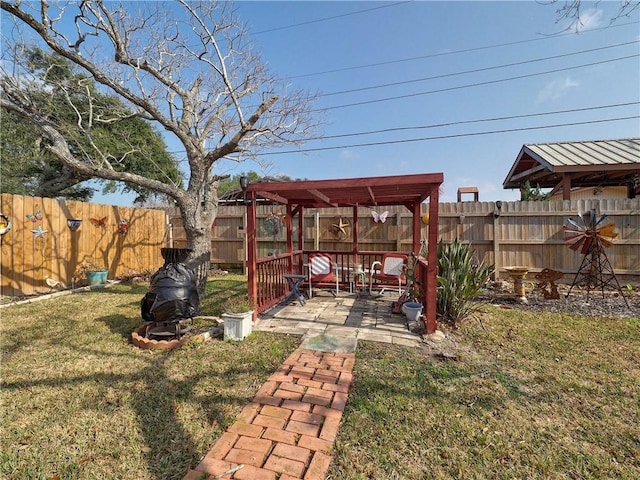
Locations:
(517, 274)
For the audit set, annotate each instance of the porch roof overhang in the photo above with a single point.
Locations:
(587, 164)
(407, 190)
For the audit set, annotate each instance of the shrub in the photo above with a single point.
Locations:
(460, 280)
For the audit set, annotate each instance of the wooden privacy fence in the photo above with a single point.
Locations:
(523, 234)
(40, 244)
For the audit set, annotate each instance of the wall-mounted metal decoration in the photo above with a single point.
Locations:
(99, 222)
(340, 228)
(74, 223)
(5, 224)
(379, 217)
(39, 232)
(123, 226)
(35, 217)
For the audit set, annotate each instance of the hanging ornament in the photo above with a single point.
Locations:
(425, 218)
(123, 226)
(273, 224)
(74, 223)
(5, 224)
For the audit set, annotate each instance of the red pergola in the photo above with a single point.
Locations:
(408, 190)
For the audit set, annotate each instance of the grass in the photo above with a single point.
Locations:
(535, 396)
(530, 396)
(80, 402)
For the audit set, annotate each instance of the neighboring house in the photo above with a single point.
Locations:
(577, 167)
(588, 193)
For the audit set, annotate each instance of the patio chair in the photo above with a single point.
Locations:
(322, 273)
(391, 271)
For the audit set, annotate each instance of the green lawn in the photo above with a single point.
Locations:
(80, 402)
(532, 396)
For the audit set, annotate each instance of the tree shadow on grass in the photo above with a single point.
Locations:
(156, 391)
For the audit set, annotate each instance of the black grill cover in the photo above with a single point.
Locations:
(172, 295)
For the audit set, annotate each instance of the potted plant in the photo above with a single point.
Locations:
(91, 270)
(237, 317)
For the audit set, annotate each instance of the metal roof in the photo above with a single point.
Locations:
(590, 163)
(369, 191)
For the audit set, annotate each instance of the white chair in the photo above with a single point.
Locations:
(391, 271)
(322, 273)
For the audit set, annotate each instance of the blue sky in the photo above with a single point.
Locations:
(300, 42)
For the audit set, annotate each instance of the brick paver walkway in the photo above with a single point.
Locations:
(288, 431)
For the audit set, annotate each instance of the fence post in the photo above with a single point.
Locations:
(496, 247)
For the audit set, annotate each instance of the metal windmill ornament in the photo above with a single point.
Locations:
(589, 235)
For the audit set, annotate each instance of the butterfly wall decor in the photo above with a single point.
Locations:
(99, 222)
(379, 217)
(35, 217)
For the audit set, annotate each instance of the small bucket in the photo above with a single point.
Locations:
(412, 310)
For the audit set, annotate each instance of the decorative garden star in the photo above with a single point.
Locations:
(340, 226)
(39, 232)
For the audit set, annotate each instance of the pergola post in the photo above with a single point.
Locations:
(300, 232)
(355, 234)
(289, 225)
(252, 251)
(415, 244)
(431, 294)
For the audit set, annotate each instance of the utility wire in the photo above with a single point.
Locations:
(459, 135)
(455, 52)
(467, 122)
(463, 122)
(477, 84)
(483, 69)
(275, 29)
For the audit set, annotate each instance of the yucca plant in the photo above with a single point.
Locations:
(460, 280)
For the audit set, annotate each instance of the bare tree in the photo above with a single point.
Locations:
(186, 66)
(572, 11)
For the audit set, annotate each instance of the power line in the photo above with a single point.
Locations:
(454, 52)
(275, 29)
(477, 70)
(477, 84)
(467, 122)
(444, 137)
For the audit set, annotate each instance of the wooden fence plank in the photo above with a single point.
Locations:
(28, 259)
(525, 233)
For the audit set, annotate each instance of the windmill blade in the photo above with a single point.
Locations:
(574, 223)
(607, 230)
(602, 217)
(586, 246)
(606, 243)
(592, 218)
(573, 240)
(569, 233)
(577, 244)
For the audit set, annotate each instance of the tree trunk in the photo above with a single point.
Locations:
(197, 220)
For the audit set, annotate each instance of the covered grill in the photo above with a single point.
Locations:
(172, 297)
